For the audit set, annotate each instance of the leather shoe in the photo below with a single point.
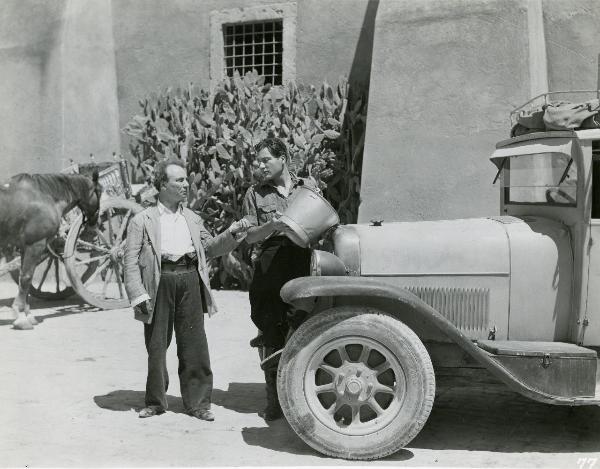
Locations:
(150, 412)
(203, 414)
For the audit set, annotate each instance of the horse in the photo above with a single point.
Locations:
(31, 208)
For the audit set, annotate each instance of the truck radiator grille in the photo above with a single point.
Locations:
(466, 308)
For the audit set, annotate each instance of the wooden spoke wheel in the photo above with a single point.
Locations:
(94, 255)
(50, 279)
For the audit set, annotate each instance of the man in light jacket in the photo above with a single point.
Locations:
(166, 278)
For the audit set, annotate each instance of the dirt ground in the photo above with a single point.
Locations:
(71, 388)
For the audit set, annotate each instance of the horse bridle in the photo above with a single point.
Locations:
(97, 190)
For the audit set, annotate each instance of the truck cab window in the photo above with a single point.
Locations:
(540, 178)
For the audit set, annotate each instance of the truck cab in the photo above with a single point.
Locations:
(391, 305)
(532, 187)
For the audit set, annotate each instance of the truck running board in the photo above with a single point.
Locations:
(556, 369)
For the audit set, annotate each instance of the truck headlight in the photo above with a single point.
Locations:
(323, 263)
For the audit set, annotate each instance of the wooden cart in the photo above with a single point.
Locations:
(89, 261)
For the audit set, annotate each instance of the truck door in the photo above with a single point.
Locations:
(592, 330)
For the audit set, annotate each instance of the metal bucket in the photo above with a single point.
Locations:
(308, 215)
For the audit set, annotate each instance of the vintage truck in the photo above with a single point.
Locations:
(517, 294)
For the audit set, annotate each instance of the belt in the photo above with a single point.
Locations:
(185, 263)
(173, 267)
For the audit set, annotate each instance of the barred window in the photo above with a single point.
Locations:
(256, 45)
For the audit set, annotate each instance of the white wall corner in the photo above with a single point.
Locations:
(538, 60)
(288, 12)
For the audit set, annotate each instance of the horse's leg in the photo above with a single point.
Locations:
(29, 260)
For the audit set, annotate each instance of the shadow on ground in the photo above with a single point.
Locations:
(39, 303)
(245, 398)
(493, 418)
(126, 400)
(482, 417)
(73, 305)
(476, 418)
(278, 435)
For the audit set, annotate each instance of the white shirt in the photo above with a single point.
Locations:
(175, 238)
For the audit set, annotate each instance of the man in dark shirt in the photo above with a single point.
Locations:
(276, 258)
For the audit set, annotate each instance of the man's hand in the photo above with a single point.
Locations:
(278, 225)
(240, 226)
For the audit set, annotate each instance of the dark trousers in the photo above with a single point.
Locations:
(277, 264)
(179, 307)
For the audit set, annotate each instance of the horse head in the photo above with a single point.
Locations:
(90, 205)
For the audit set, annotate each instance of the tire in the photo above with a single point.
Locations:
(94, 257)
(355, 383)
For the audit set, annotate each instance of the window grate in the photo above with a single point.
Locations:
(257, 46)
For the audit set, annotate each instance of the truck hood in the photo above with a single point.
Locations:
(477, 246)
(499, 264)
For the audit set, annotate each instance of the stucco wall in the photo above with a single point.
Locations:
(572, 31)
(445, 74)
(89, 80)
(58, 85)
(162, 44)
(28, 35)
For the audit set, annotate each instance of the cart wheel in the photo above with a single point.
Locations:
(94, 255)
(50, 280)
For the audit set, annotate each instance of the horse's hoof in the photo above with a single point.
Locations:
(32, 320)
(22, 324)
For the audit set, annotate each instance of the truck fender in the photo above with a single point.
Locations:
(303, 292)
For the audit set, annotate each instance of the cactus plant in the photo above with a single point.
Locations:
(323, 128)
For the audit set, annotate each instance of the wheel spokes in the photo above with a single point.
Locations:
(355, 413)
(329, 369)
(91, 259)
(109, 235)
(98, 270)
(337, 405)
(364, 354)
(45, 274)
(343, 353)
(123, 225)
(386, 365)
(92, 246)
(94, 255)
(102, 238)
(329, 387)
(363, 393)
(110, 213)
(119, 281)
(384, 389)
(374, 405)
(106, 281)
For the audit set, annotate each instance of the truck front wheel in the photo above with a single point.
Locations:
(355, 383)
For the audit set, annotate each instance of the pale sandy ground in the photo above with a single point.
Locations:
(71, 386)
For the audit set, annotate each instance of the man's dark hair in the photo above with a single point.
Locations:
(160, 170)
(276, 147)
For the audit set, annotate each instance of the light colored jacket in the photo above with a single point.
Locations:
(143, 257)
